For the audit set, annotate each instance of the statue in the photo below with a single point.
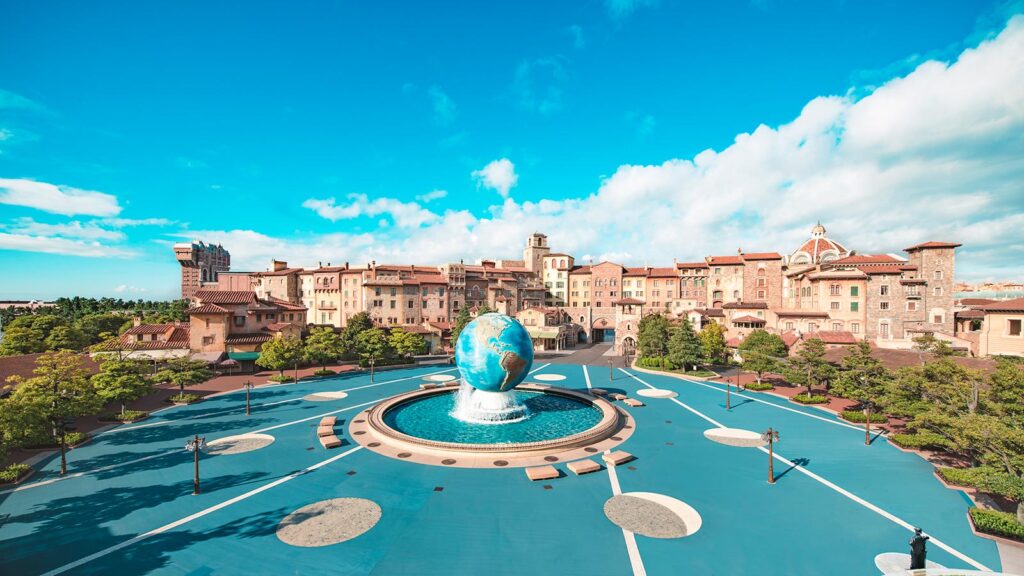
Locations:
(917, 550)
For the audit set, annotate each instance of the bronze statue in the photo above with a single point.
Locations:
(917, 550)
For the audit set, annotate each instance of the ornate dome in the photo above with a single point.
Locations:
(817, 249)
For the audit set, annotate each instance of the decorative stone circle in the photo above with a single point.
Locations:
(652, 515)
(501, 462)
(898, 563)
(328, 522)
(238, 444)
(439, 378)
(326, 396)
(735, 437)
(549, 377)
(656, 393)
(448, 461)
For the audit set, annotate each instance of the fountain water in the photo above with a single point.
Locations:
(484, 407)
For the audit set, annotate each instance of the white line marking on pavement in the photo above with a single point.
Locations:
(631, 548)
(586, 375)
(197, 515)
(885, 514)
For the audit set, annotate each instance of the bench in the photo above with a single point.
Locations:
(541, 473)
(633, 402)
(581, 467)
(617, 457)
(617, 396)
(428, 386)
(325, 431)
(328, 421)
(598, 391)
(330, 441)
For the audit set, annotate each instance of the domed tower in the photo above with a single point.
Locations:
(818, 249)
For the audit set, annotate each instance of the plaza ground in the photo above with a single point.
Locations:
(126, 505)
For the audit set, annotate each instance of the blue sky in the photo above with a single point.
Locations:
(428, 132)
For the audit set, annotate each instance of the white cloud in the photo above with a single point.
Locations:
(578, 41)
(499, 175)
(57, 199)
(444, 107)
(126, 222)
(432, 195)
(404, 214)
(56, 245)
(538, 84)
(73, 229)
(121, 288)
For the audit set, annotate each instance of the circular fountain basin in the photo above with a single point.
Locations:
(562, 425)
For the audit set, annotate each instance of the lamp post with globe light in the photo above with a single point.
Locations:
(195, 446)
(771, 436)
(372, 359)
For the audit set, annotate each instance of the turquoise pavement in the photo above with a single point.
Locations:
(130, 509)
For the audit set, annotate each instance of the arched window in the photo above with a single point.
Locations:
(760, 271)
(561, 263)
(204, 274)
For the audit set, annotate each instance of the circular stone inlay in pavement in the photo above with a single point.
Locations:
(653, 515)
(448, 461)
(239, 444)
(501, 462)
(656, 393)
(549, 377)
(897, 562)
(328, 522)
(735, 437)
(325, 396)
(439, 378)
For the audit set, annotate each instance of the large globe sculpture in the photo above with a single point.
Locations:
(494, 353)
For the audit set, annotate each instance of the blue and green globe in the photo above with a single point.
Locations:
(494, 353)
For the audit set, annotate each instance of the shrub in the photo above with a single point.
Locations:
(183, 398)
(13, 472)
(921, 440)
(805, 399)
(126, 416)
(960, 476)
(71, 439)
(759, 387)
(858, 417)
(365, 363)
(281, 379)
(324, 373)
(997, 523)
(701, 373)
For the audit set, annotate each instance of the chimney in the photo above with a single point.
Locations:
(346, 265)
(137, 321)
(319, 264)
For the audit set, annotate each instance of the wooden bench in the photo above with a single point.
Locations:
(617, 457)
(632, 402)
(330, 441)
(325, 431)
(328, 421)
(541, 473)
(581, 467)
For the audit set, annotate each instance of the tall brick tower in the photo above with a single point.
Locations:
(535, 251)
(200, 264)
(935, 262)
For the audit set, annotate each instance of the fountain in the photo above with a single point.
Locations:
(494, 354)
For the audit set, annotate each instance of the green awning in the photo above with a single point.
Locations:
(542, 332)
(241, 356)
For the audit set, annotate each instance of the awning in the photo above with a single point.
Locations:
(243, 356)
(542, 332)
(208, 357)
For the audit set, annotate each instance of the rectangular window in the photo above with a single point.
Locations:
(883, 305)
(911, 306)
(883, 290)
(761, 295)
(207, 340)
(854, 291)
(884, 329)
(1013, 327)
(937, 319)
(239, 320)
(938, 291)
(836, 326)
(855, 327)
(938, 274)
(834, 305)
(392, 304)
(789, 325)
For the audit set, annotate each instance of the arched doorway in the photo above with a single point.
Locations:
(628, 346)
(581, 336)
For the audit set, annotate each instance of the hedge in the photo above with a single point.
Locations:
(128, 415)
(805, 399)
(324, 373)
(364, 363)
(281, 379)
(921, 440)
(71, 439)
(997, 523)
(759, 387)
(13, 472)
(967, 477)
(183, 398)
(858, 417)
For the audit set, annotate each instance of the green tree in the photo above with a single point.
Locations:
(95, 326)
(483, 309)
(712, 342)
(864, 379)
(357, 324)
(21, 340)
(281, 353)
(406, 343)
(809, 367)
(761, 351)
(122, 381)
(373, 343)
(183, 372)
(59, 392)
(652, 336)
(684, 347)
(322, 345)
(66, 338)
(461, 320)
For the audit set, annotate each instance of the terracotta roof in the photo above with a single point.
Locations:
(801, 314)
(972, 313)
(1015, 305)
(635, 272)
(913, 281)
(24, 365)
(284, 272)
(663, 273)
(691, 264)
(414, 329)
(745, 305)
(932, 244)
(724, 260)
(789, 338)
(711, 312)
(225, 296)
(627, 302)
(873, 270)
(247, 338)
(441, 325)
(867, 259)
(177, 337)
(733, 342)
(832, 337)
(207, 309)
(837, 275)
(762, 256)
(277, 326)
(977, 301)
(748, 319)
(893, 358)
(285, 304)
(148, 329)
(816, 246)
(580, 269)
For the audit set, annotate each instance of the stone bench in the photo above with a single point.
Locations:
(328, 421)
(541, 473)
(330, 441)
(617, 457)
(428, 386)
(325, 431)
(632, 402)
(617, 396)
(581, 467)
(598, 391)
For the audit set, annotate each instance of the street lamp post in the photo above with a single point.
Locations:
(371, 368)
(728, 394)
(867, 424)
(771, 436)
(195, 446)
(611, 374)
(248, 387)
